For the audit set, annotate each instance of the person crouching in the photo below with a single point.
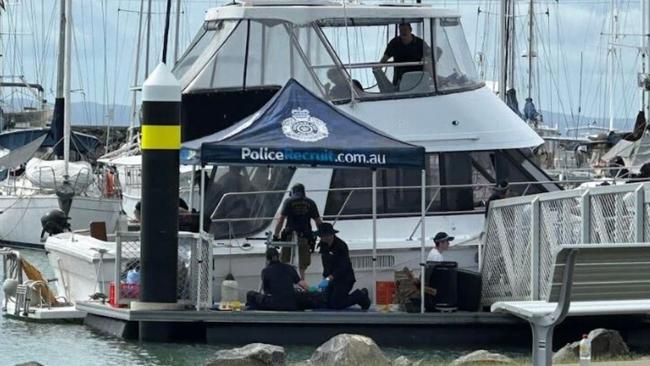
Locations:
(338, 275)
(278, 280)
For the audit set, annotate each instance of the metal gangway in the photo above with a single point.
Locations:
(524, 234)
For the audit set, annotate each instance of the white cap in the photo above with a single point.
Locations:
(161, 86)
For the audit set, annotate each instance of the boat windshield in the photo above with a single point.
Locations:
(334, 58)
(395, 57)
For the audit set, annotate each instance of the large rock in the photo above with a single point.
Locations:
(482, 357)
(30, 363)
(605, 344)
(349, 350)
(255, 354)
(404, 361)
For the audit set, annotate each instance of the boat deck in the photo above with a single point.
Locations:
(61, 313)
(456, 329)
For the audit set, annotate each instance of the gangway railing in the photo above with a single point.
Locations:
(523, 234)
(194, 268)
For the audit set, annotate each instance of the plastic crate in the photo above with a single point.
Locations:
(385, 292)
(128, 292)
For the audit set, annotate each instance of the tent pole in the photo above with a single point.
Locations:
(202, 202)
(374, 235)
(192, 181)
(423, 208)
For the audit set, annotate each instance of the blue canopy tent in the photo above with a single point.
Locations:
(297, 128)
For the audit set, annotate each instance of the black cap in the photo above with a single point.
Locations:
(326, 229)
(272, 253)
(298, 190)
(502, 185)
(442, 236)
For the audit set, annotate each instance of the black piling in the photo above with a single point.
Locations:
(160, 146)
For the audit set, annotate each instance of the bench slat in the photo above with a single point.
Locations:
(610, 272)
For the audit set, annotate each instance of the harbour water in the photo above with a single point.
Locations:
(73, 344)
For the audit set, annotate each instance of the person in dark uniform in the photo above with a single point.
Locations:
(298, 211)
(278, 280)
(406, 47)
(500, 192)
(338, 275)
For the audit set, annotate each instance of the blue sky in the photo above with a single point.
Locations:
(106, 32)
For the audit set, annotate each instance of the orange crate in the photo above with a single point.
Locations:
(127, 292)
(385, 292)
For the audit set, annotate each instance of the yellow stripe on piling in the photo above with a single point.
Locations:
(161, 137)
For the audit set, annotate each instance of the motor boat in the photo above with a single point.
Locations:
(245, 52)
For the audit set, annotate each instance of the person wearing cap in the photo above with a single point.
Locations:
(500, 192)
(298, 211)
(442, 241)
(278, 282)
(338, 275)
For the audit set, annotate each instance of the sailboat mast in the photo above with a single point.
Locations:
(148, 39)
(59, 69)
(56, 127)
(512, 47)
(503, 14)
(66, 86)
(645, 54)
(647, 51)
(531, 19)
(134, 96)
(177, 29)
(612, 57)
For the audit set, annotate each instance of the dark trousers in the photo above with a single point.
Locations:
(259, 301)
(339, 296)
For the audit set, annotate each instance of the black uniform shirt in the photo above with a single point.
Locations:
(400, 52)
(493, 197)
(278, 280)
(336, 261)
(299, 211)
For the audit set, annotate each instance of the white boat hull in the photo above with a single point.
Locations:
(75, 261)
(20, 216)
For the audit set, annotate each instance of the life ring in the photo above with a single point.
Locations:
(109, 184)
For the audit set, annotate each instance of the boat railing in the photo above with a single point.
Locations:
(480, 193)
(244, 214)
(523, 234)
(194, 272)
(614, 173)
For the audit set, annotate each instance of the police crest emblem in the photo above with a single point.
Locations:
(303, 127)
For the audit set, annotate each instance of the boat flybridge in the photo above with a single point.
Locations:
(245, 52)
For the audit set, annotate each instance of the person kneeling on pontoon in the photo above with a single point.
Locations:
(278, 282)
(338, 275)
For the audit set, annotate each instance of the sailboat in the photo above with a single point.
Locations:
(69, 188)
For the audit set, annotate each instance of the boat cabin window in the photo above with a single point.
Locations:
(232, 193)
(376, 61)
(253, 54)
(459, 182)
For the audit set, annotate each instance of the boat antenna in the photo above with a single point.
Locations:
(579, 96)
(166, 34)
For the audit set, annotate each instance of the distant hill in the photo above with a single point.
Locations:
(564, 121)
(93, 114)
